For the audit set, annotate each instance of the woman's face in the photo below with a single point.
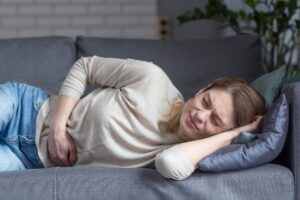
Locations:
(206, 114)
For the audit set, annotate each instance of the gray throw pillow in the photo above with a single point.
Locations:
(269, 84)
(244, 137)
(261, 150)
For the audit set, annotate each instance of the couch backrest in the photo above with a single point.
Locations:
(40, 61)
(191, 64)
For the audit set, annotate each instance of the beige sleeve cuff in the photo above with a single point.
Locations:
(171, 163)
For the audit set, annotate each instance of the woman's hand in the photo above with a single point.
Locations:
(253, 126)
(62, 150)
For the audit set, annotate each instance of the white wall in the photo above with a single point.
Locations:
(103, 18)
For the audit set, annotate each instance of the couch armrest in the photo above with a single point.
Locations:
(290, 156)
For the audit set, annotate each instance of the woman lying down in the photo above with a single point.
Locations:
(138, 119)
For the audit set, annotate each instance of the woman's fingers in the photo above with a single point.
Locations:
(259, 117)
(57, 157)
(64, 159)
(72, 155)
(62, 150)
(67, 156)
(257, 122)
(54, 157)
(253, 126)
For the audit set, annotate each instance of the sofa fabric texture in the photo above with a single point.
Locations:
(191, 64)
(40, 61)
(141, 183)
(290, 155)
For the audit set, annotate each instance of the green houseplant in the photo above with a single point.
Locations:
(273, 20)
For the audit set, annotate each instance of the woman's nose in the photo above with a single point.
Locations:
(202, 115)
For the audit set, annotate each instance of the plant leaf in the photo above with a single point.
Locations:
(292, 6)
(251, 3)
(297, 24)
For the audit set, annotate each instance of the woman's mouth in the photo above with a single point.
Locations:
(190, 122)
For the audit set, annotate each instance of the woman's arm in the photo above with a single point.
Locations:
(111, 72)
(86, 70)
(178, 163)
(211, 144)
(181, 160)
(198, 149)
(61, 147)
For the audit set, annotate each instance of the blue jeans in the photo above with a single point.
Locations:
(19, 106)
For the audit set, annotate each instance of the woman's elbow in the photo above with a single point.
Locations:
(168, 168)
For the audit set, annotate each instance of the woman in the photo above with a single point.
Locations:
(138, 119)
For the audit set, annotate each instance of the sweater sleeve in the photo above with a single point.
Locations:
(171, 163)
(107, 72)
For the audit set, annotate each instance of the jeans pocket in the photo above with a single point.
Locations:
(39, 97)
(29, 149)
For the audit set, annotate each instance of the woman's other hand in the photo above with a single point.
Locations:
(253, 126)
(62, 150)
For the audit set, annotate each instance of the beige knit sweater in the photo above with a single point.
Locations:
(116, 125)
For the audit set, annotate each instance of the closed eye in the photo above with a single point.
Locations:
(213, 120)
(205, 103)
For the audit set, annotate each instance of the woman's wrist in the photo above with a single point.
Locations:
(63, 109)
(232, 134)
(57, 126)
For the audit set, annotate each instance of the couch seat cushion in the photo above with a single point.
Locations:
(266, 182)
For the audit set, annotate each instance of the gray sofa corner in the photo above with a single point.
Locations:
(191, 64)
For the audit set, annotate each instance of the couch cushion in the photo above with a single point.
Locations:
(39, 61)
(262, 183)
(191, 64)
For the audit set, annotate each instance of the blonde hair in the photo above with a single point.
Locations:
(171, 121)
(247, 103)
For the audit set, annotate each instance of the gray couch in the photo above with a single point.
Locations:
(191, 64)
